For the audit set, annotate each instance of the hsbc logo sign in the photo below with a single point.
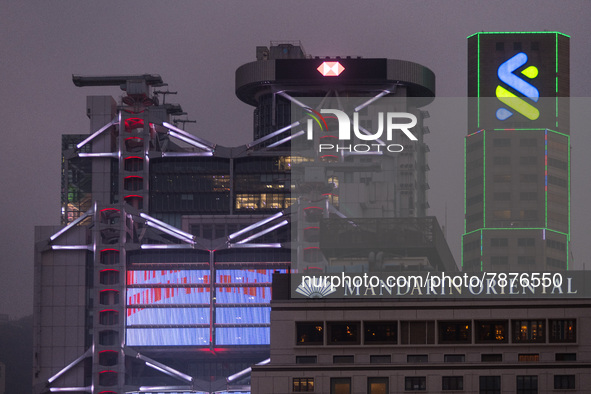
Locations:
(331, 69)
(388, 124)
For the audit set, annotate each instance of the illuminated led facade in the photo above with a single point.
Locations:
(160, 276)
(517, 153)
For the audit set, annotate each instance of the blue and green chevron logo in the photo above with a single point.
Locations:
(515, 103)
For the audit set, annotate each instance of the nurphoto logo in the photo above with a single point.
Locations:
(394, 122)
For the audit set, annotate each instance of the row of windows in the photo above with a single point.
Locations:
(506, 214)
(503, 143)
(524, 384)
(474, 200)
(424, 358)
(503, 242)
(524, 214)
(193, 203)
(563, 165)
(523, 196)
(264, 201)
(556, 263)
(554, 180)
(216, 165)
(499, 242)
(217, 202)
(523, 178)
(521, 242)
(473, 146)
(556, 245)
(506, 142)
(475, 217)
(523, 260)
(423, 332)
(472, 245)
(189, 183)
(523, 160)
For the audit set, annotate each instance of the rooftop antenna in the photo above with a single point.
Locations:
(183, 121)
(164, 93)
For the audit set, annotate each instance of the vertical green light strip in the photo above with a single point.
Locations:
(546, 176)
(568, 191)
(465, 180)
(481, 252)
(478, 86)
(556, 62)
(483, 178)
(462, 251)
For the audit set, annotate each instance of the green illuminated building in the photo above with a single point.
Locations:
(517, 153)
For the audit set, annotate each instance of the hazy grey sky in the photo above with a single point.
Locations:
(196, 47)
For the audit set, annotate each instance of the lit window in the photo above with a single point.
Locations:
(491, 331)
(455, 332)
(303, 384)
(340, 385)
(334, 181)
(343, 333)
(380, 332)
(529, 331)
(563, 331)
(377, 386)
(310, 333)
(533, 357)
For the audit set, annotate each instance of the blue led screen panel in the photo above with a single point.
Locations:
(243, 315)
(168, 295)
(167, 277)
(167, 316)
(243, 295)
(243, 336)
(246, 276)
(167, 336)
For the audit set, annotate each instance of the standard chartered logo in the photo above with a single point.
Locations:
(515, 103)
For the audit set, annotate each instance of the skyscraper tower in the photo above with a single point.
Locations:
(517, 153)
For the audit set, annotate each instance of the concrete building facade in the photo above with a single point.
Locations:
(429, 346)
